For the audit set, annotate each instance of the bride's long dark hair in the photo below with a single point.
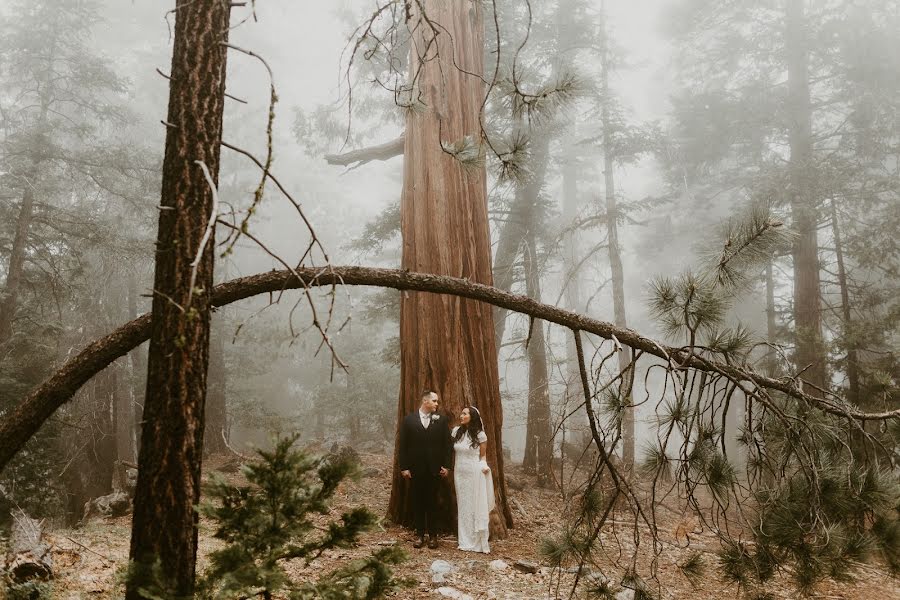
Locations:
(474, 427)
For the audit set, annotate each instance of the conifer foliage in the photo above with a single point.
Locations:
(271, 520)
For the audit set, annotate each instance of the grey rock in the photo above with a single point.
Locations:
(525, 566)
(441, 566)
(498, 565)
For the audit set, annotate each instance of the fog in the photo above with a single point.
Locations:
(277, 376)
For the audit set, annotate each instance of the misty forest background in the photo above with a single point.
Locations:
(722, 178)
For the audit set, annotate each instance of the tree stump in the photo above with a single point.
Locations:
(29, 557)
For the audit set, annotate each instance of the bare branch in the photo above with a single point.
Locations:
(385, 151)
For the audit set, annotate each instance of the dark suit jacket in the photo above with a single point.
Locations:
(424, 450)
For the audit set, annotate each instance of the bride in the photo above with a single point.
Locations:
(472, 478)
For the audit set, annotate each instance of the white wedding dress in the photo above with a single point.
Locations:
(474, 495)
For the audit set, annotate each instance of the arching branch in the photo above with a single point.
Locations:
(17, 427)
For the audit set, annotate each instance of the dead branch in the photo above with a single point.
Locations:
(357, 158)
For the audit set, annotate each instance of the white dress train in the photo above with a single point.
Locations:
(474, 495)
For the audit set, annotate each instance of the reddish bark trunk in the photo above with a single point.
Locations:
(447, 344)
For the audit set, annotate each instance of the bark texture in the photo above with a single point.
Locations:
(810, 353)
(164, 528)
(447, 343)
(17, 427)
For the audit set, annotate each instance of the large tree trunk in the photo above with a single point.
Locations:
(164, 528)
(16, 265)
(447, 344)
(810, 353)
(615, 257)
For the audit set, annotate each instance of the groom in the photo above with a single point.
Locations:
(424, 457)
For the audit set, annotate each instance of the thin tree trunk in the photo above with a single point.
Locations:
(577, 424)
(447, 344)
(771, 326)
(810, 353)
(538, 431)
(538, 456)
(102, 454)
(138, 370)
(164, 527)
(10, 296)
(123, 420)
(216, 393)
(508, 244)
(615, 256)
(849, 336)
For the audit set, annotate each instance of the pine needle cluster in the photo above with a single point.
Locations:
(694, 303)
(745, 242)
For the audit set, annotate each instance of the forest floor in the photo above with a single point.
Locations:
(88, 560)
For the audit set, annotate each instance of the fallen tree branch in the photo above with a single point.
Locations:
(17, 427)
(384, 151)
(29, 558)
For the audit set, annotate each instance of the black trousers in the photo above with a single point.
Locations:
(424, 498)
